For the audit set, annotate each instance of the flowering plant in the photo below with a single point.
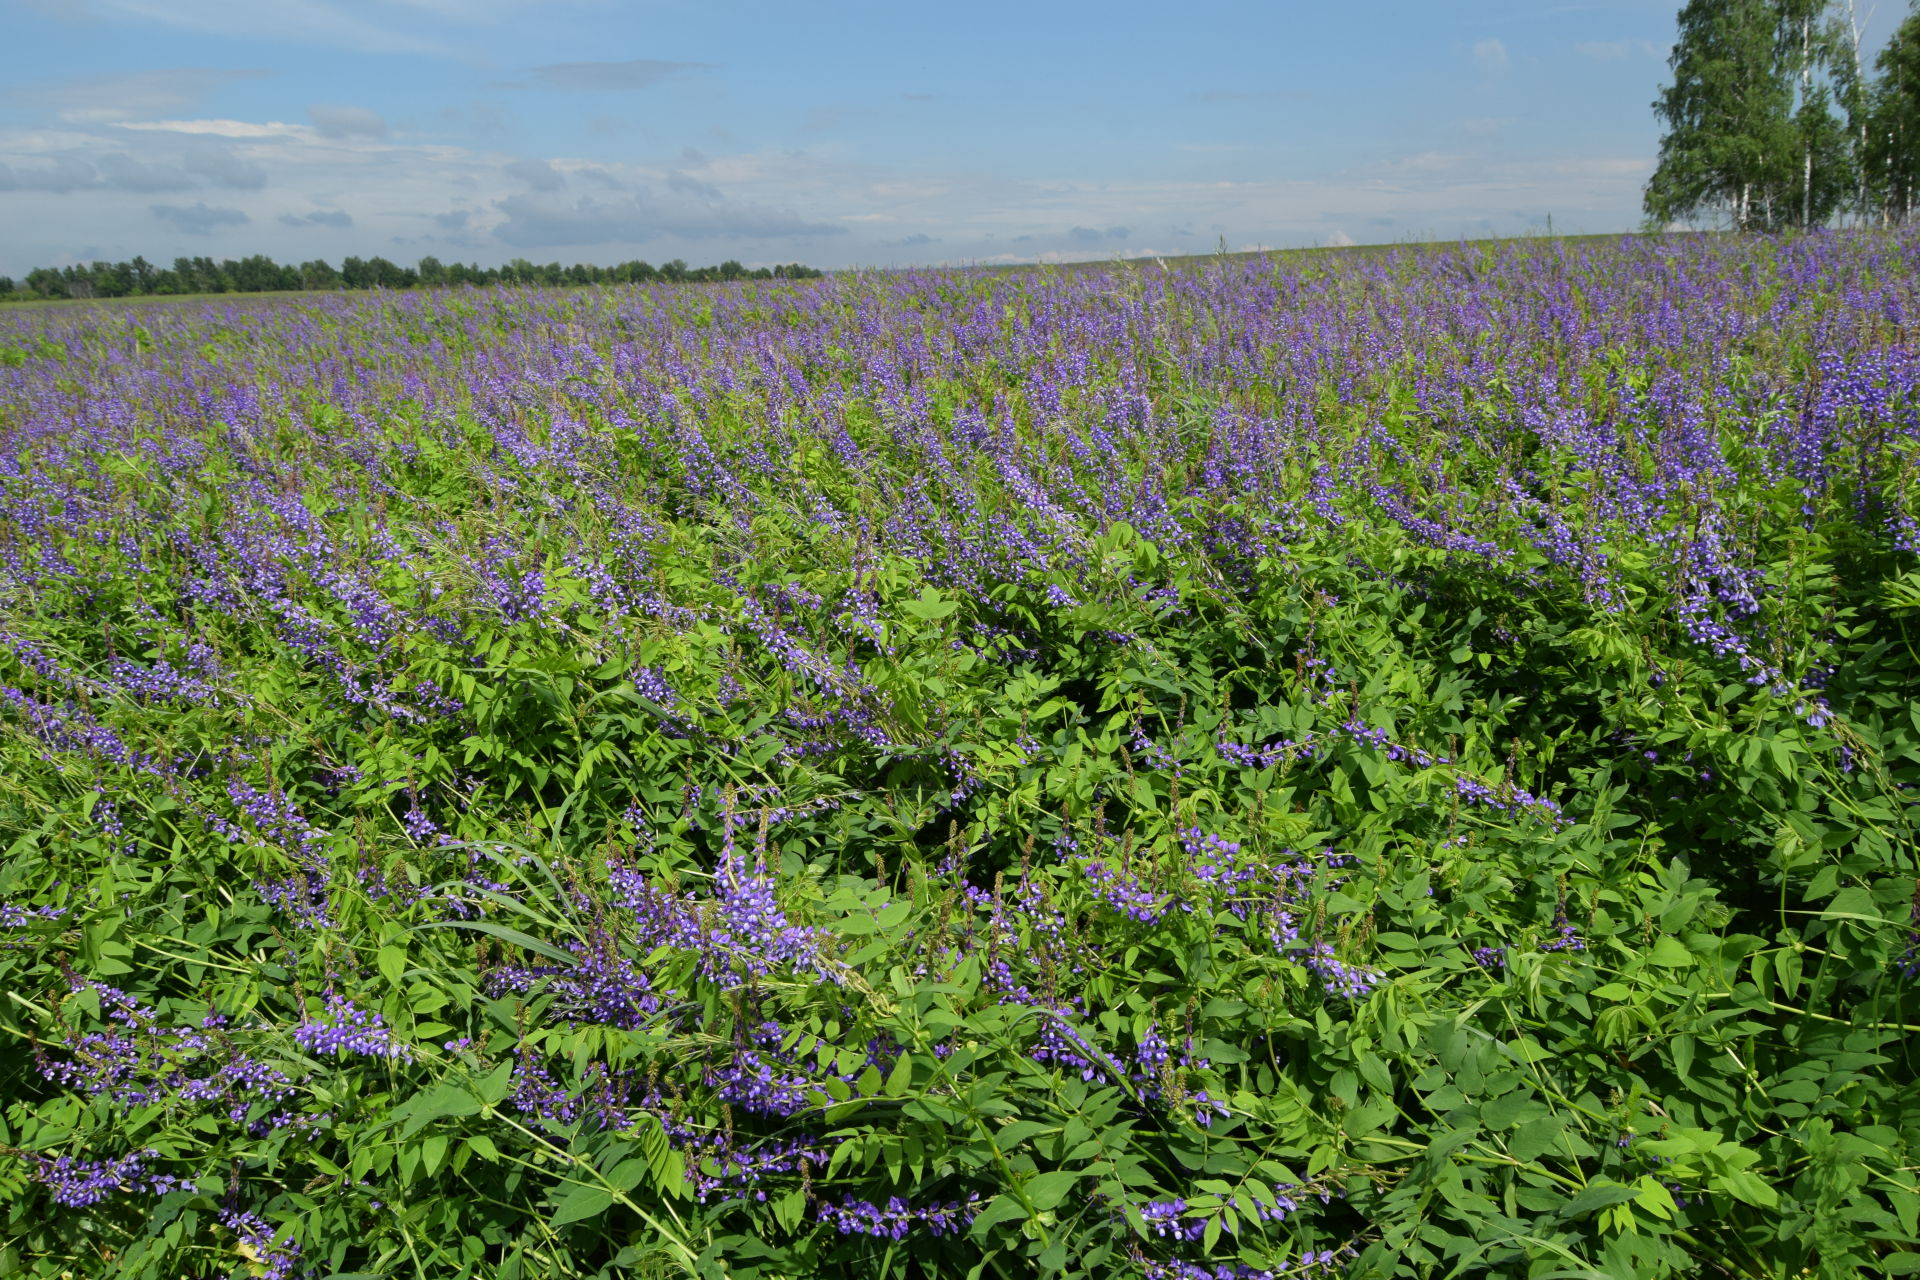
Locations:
(1303, 765)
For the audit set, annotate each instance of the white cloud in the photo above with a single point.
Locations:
(223, 167)
(276, 187)
(1491, 56)
(686, 184)
(537, 174)
(100, 99)
(124, 173)
(1339, 239)
(911, 189)
(533, 222)
(338, 219)
(81, 167)
(199, 219)
(223, 128)
(65, 173)
(347, 122)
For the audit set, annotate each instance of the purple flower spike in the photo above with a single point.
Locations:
(346, 1028)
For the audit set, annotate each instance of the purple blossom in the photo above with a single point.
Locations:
(1164, 1219)
(276, 1258)
(898, 1219)
(344, 1027)
(77, 1183)
(14, 916)
(1566, 937)
(1318, 1264)
(1348, 981)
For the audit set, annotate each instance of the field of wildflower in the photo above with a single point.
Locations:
(1320, 765)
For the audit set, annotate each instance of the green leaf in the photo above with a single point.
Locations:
(438, 1103)
(630, 1173)
(524, 941)
(583, 1201)
(1005, 1207)
(492, 1088)
(1510, 1109)
(790, 1209)
(1536, 1137)
(1597, 1195)
(900, 1080)
(1048, 1189)
(931, 605)
(1682, 1048)
(1655, 1198)
(1745, 1185)
(1670, 952)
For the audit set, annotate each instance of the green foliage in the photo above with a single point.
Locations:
(1631, 924)
(260, 274)
(1893, 133)
(1750, 128)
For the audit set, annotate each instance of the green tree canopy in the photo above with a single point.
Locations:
(1751, 131)
(1893, 134)
(259, 273)
(1727, 144)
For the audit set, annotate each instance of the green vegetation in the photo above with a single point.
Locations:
(1392, 764)
(260, 274)
(1772, 120)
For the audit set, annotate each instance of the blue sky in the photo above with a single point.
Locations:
(832, 134)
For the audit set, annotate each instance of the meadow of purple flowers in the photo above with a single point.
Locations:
(1368, 765)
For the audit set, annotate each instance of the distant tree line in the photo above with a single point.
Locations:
(261, 274)
(1774, 120)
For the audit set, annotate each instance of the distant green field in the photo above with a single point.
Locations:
(1181, 262)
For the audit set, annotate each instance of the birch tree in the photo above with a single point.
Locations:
(1893, 148)
(1751, 132)
(1728, 141)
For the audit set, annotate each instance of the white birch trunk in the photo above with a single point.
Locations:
(1806, 142)
(1860, 111)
